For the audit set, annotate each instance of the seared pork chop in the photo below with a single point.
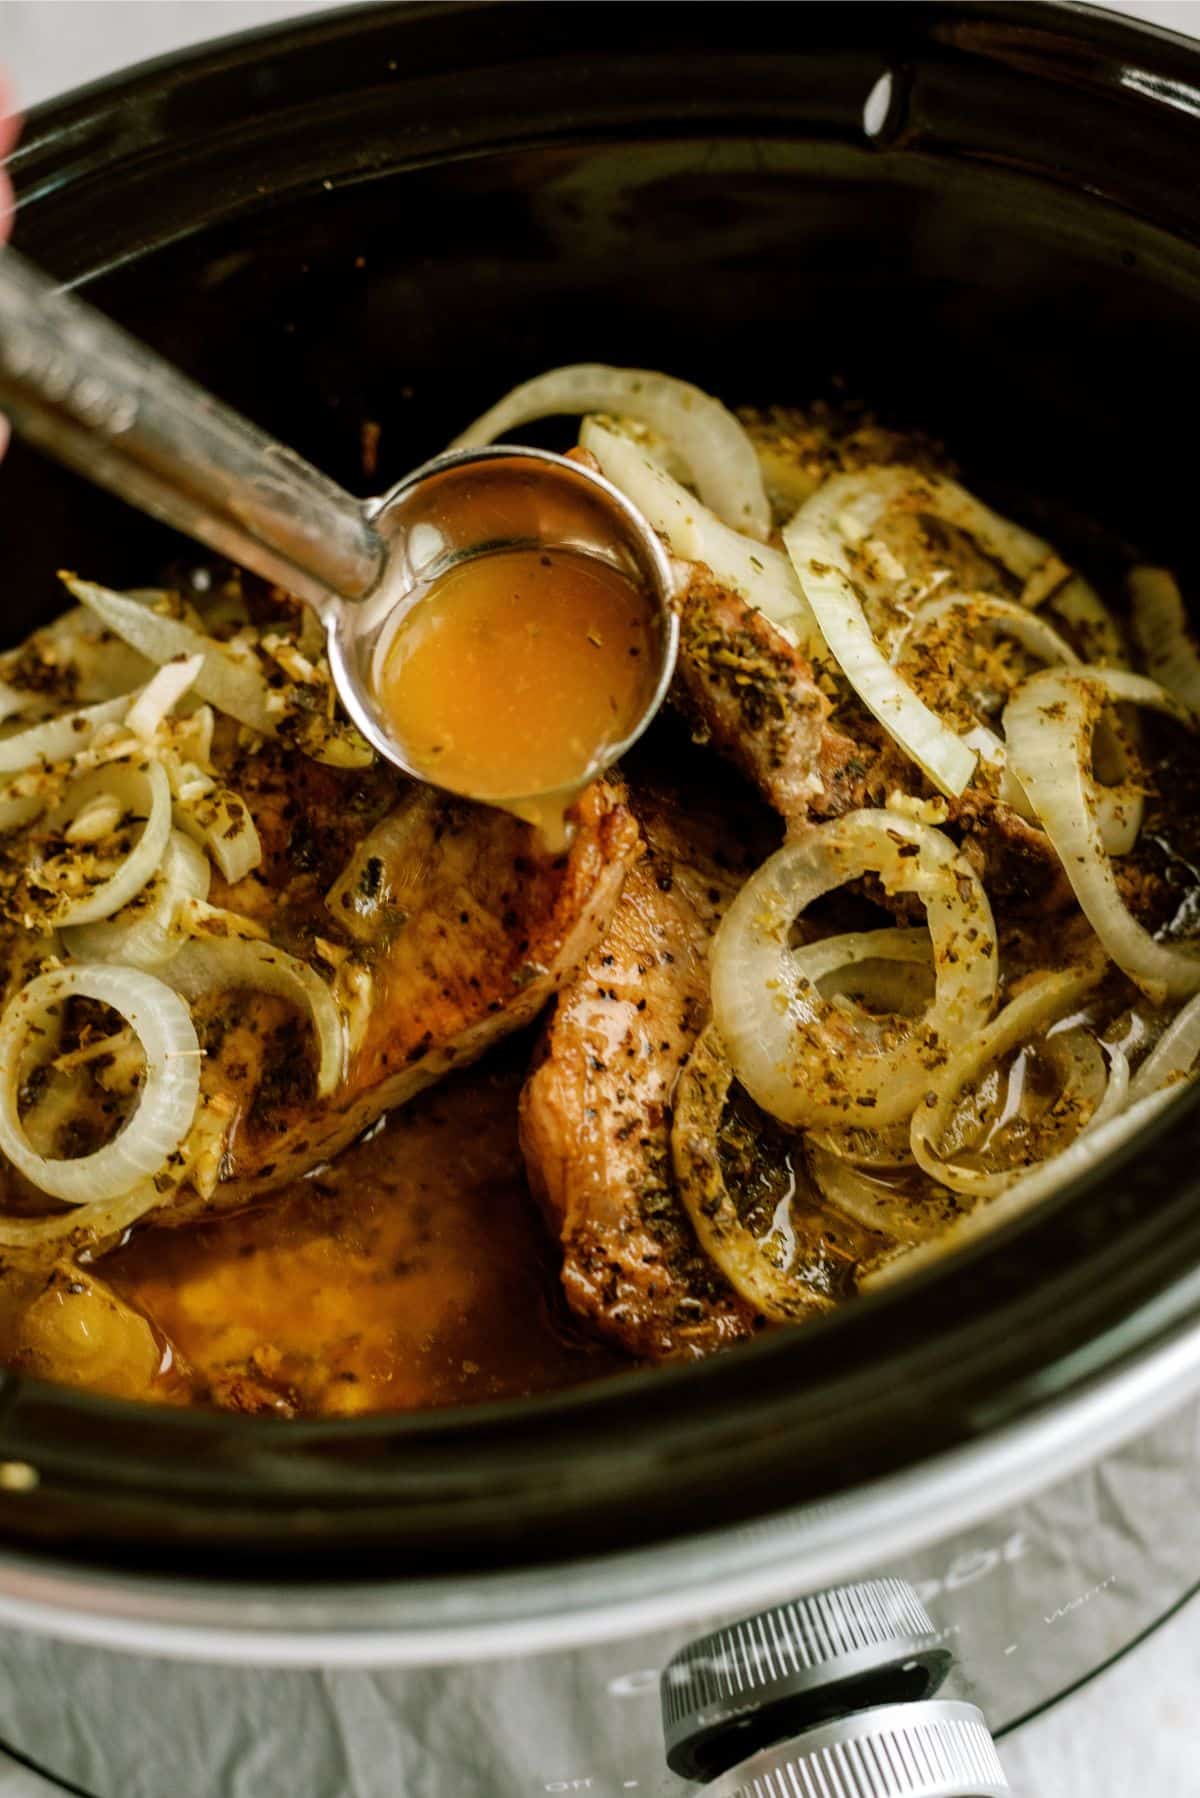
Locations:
(752, 694)
(596, 1111)
(460, 930)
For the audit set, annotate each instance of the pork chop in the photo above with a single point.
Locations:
(752, 694)
(596, 1110)
(468, 929)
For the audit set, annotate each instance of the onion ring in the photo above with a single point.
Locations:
(140, 787)
(1022, 1018)
(1085, 1153)
(1160, 627)
(141, 934)
(699, 1102)
(710, 440)
(810, 1060)
(166, 1105)
(1048, 725)
(220, 955)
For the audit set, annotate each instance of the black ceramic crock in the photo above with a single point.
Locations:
(395, 212)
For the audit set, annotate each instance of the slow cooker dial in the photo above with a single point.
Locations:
(935, 1749)
(782, 1671)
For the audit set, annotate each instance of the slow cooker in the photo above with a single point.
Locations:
(840, 1554)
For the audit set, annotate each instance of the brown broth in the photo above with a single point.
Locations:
(413, 1272)
(519, 672)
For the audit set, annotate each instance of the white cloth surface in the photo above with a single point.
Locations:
(1134, 1730)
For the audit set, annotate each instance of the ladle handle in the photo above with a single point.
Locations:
(102, 402)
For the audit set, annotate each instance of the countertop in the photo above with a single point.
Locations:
(1133, 1732)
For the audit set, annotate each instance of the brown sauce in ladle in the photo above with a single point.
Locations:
(519, 673)
(524, 638)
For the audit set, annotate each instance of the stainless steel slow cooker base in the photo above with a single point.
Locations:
(1027, 1605)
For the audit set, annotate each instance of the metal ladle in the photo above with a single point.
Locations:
(106, 405)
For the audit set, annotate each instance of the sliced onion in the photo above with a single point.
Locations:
(1022, 1018)
(98, 1221)
(375, 890)
(848, 507)
(829, 586)
(884, 1149)
(1080, 1062)
(763, 576)
(1117, 1092)
(23, 798)
(214, 961)
(699, 1103)
(1173, 1055)
(141, 934)
(1119, 804)
(98, 664)
(702, 432)
(823, 960)
(141, 1149)
(58, 739)
(1082, 610)
(217, 818)
(1160, 626)
(1048, 725)
(1087, 1151)
(811, 1060)
(139, 787)
(233, 683)
(161, 694)
(1006, 616)
(873, 1202)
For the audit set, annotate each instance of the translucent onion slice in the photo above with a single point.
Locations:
(849, 507)
(140, 1151)
(139, 788)
(161, 694)
(1160, 629)
(811, 1060)
(142, 934)
(1082, 610)
(872, 1202)
(212, 961)
(702, 432)
(383, 878)
(1022, 1018)
(98, 1221)
(23, 798)
(99, 664)
(1005, 616)
(232, 682)
(58, 739)
(1173, 1055)
(1086, 1152)
(1081, 1065)
(1119, 804)
(1048, 725)
(218, 819)
(886, 1149)
(1117, 1092)
(830, 588)
(831, 955)
(699, 1104)
(763, 576)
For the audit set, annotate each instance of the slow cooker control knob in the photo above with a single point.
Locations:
(783, 1670)
(931, 1750)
